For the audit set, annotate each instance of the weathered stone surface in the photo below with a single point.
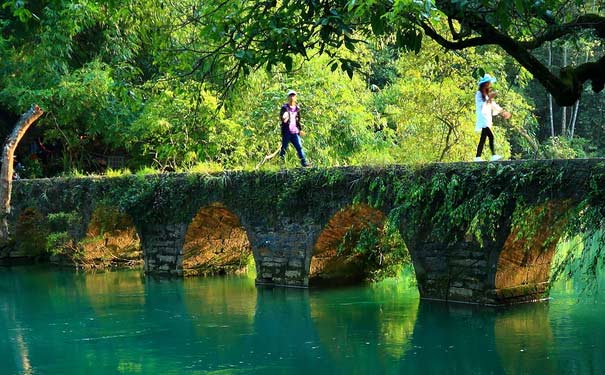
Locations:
(167, 258)
(463, 293)
(293, 274)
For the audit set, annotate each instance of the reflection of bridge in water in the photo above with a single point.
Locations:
(122, 322)
(292, 222)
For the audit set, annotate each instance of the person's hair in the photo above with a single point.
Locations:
(481, 87)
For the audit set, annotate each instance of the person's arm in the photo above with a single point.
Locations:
(282, 112)
(496, 109)
(499, 111)
(299, 123)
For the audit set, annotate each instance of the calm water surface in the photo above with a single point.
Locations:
(60, 322)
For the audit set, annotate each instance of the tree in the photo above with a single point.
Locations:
(254, 33)
(520, 27)
(6, 172)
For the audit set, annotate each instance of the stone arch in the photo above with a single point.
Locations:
(332, 261)
(215, 243)
(523, 265)
(111, 239)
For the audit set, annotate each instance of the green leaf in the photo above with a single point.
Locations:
(287, 60)
(377, 23)
(417, 42)
(350, 46)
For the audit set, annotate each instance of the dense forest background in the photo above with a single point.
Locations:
(140, 86)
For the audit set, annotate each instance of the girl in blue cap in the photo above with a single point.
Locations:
(486, 107)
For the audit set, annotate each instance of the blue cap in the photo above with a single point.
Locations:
(486, 78)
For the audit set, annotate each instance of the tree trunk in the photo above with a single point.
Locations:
(574, 118)
(575, 115)
(564, 115)
(552, 120)
(6, 172)
(563, 121)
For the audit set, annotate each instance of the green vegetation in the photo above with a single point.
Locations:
(31, 233)
(143, 86)
(383, 250)
(579, 256)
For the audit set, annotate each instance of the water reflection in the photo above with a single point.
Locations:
(578, 328)
(23, 351)
(366, 329)
(525, 341)
(54, 317)
(453, 338)
(62, 322)
(284, 334)
(218, 307)
(17, 345)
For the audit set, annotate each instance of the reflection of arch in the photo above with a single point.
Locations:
(221, 302)
(215, 243)
(111, 237)
(333, 259)
(523, 267)
(107, 288)
(384, 315)
(526, 328)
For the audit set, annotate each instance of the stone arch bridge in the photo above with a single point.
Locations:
(480, 233)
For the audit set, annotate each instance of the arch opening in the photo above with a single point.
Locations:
(111, 240)
(357, 244)
(216, 243)
(524, 264)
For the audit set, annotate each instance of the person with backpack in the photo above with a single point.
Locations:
(291, 128)
(486, 107)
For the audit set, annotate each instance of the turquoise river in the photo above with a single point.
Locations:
(62, 322)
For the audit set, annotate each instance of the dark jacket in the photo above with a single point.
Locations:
(285, 126)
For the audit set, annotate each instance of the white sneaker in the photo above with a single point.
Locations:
(478, 158)
(496, 157)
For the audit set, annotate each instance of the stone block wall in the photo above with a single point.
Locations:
(456, 272)
(162, 246)
(283, 256)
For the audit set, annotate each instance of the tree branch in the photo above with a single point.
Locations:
(554, 32)
(6, 172)
(461, 44)
(567, 88)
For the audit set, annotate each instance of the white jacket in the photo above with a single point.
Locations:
(485, 110)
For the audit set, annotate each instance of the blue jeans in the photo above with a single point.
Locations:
(288, 137)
